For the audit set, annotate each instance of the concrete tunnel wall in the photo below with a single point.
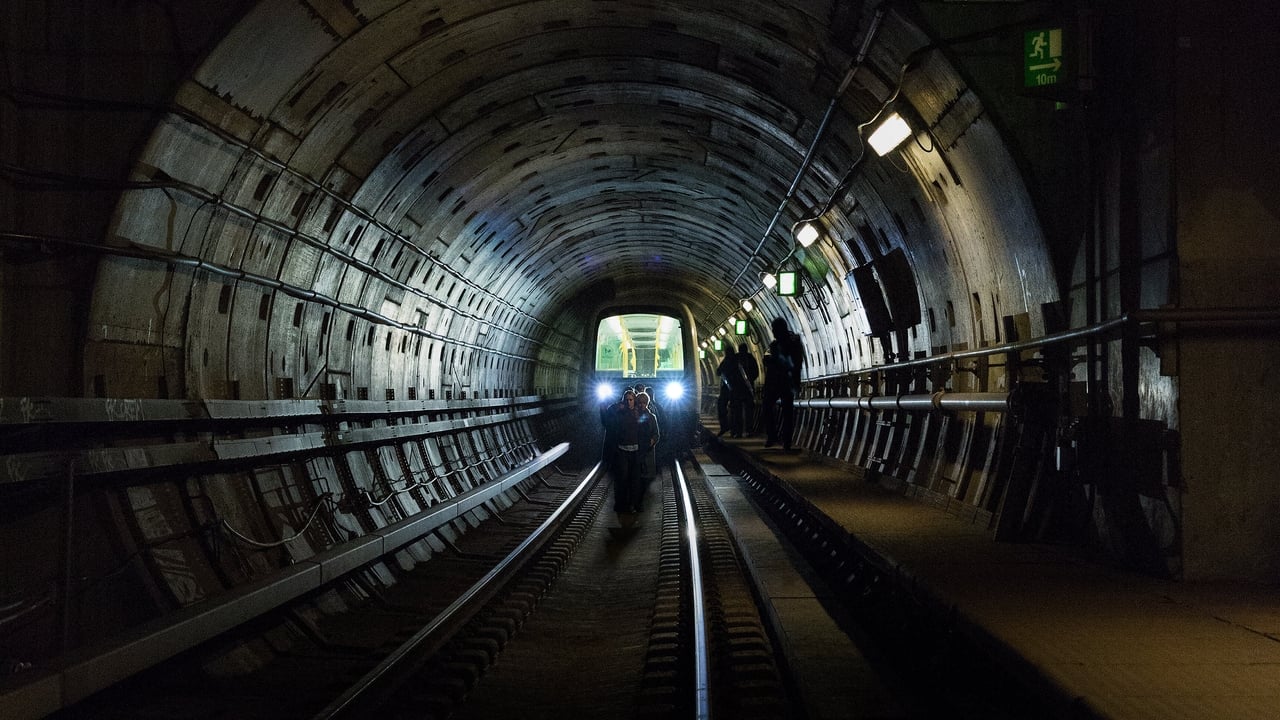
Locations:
(409, 200)
(457, 172)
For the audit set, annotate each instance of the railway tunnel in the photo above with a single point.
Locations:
(259, 254)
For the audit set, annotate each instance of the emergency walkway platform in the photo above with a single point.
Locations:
(1095, 641)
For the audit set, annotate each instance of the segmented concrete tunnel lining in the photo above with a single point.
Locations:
(484, 178)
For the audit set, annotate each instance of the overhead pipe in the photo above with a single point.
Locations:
(301, 293)
(231, 139)
(813, 148)
(212, 199)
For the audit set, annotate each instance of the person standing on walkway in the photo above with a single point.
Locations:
(727, 368)
(785, 362)
(744, 392)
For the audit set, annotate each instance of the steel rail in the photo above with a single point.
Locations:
(456, 613)
(701, 656)
(90, 669)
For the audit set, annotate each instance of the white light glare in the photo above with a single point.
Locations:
(673, 391)
(807, 234)
(746, 305)
(769, 280)
(890, 133)
(604, 391)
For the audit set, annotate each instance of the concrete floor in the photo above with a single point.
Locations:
(1121, 645)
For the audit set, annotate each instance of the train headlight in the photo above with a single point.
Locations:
(604, 391)
(673, 391)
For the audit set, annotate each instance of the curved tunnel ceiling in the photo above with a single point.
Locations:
(474, 170)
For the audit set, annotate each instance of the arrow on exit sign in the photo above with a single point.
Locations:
(1042, 57)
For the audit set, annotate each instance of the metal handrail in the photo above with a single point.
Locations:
(96, 667)
(1262, 315)
(954, 401)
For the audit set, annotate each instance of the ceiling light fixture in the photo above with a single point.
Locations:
(788, 283)
(889, 135)
(806, 233)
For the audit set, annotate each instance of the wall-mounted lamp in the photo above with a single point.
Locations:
(769, 280)
(746, 305)
(889, 135)
(722, 332)
(788, 283)
(806, 233)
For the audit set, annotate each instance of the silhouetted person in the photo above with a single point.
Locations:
(635, 431)
(743, 408)
(650, 434)
(610, 446)
(783, 366)
(727, 367)
(654, 407)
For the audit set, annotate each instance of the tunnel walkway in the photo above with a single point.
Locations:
(1103, 642)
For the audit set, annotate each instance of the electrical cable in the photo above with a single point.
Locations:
(177, 260)
(809, 155)
(250, 541)
(434, 480)
(208, 198)
(160, 111)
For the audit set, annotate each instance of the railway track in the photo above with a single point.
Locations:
(554, 606)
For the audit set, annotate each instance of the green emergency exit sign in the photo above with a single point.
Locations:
(1042, 59)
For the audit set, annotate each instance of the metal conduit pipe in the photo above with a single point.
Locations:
(813, 148)
(949, 401)
(1208, 315)
(263, 281)
(207, 197)
(230, 139)
(351, 260)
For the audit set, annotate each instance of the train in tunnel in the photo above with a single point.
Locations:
(650, 352)
(280, 275)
